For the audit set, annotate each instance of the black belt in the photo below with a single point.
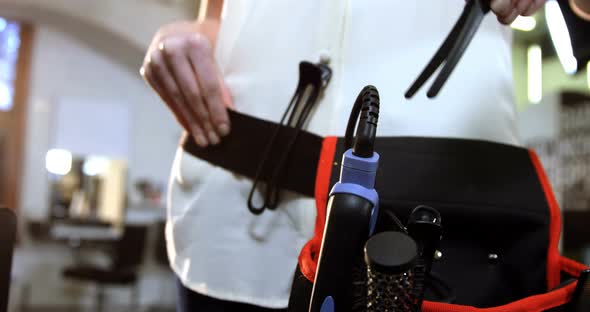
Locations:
(242, 150)
(411, 167)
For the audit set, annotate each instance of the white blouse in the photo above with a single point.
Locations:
(216, 246)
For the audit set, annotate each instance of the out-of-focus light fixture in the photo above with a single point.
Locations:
(5, 97)
(58, 161)
(535, 74)
(3, 24)
(560, 36)
(95, 165)
(524, 23)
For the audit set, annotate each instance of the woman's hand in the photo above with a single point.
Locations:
(180, 66)
(581, 8)
(508, 10)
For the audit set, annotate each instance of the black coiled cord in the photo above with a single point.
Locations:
(367, 106)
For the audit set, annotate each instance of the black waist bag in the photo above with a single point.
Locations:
(500, 218)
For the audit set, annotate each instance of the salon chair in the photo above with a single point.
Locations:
(127, 256)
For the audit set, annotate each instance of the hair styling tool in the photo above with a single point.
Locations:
(351, 211)
(390, 258)
(581, 297)
(452, 49)
(424, 226)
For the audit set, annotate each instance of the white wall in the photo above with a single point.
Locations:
(132, 20)
(540, 122)
(63, 68)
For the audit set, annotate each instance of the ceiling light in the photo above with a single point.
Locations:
(560, 37)
(524, 23)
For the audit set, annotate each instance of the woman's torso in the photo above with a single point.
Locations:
(216, 246)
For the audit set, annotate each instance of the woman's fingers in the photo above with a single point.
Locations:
(210, 84)
(158, 74)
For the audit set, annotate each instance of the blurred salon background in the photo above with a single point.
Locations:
(86, 146)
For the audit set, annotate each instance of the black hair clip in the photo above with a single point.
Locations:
(313, 79)
(453, 47)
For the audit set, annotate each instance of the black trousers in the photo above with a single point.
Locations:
(190, 301)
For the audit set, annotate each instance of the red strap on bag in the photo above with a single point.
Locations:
(310, 252)
(553, 256)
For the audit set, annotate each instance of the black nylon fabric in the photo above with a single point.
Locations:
(491, 202)
(302, 288)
